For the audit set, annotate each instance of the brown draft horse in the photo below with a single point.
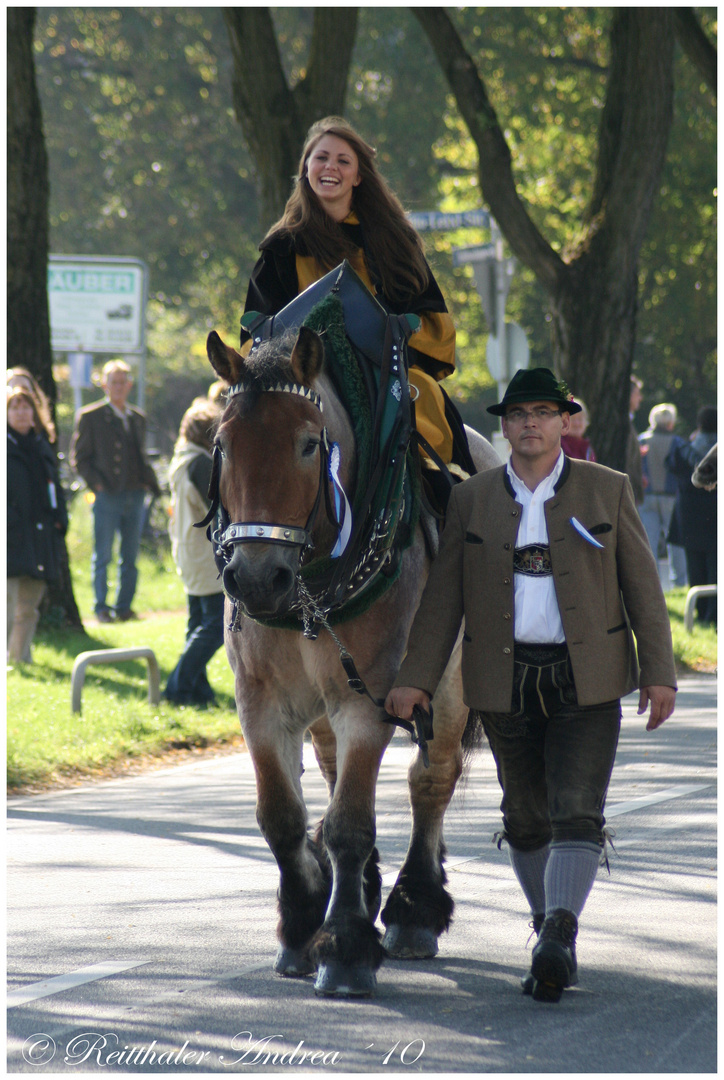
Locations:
(281, 406)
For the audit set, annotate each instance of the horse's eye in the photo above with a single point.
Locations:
(310, 447)
(219, 447)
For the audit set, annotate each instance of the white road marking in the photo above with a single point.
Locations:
(61, 1032)
(651, 800)
(59, 983)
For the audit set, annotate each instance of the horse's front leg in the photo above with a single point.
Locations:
(347, 948)
(304, 874)
(420, 908)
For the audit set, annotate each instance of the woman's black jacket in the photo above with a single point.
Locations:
(35, 527)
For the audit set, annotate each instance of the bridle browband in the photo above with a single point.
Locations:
(299, 389)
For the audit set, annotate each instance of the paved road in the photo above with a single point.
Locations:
(141, 922)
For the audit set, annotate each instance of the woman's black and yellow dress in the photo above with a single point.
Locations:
(284, 270)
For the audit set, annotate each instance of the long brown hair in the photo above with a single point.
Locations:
(391, 243)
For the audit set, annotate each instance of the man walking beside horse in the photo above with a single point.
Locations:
(547, 561)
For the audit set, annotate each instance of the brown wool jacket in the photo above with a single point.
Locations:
(108, 456)
(603, 594)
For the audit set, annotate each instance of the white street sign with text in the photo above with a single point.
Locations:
(97, 305)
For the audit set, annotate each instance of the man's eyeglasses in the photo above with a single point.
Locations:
(518, 416)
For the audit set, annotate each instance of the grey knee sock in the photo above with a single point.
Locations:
(570, 874)
(529, 868)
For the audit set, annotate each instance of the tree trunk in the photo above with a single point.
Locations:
(593, 294)
(273, 116)
(595, 311)
(696, 45)
(28, 320)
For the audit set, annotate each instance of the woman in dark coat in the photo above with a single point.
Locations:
(36, 520)
(693, 521)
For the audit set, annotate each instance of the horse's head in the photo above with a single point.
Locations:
(272, 466)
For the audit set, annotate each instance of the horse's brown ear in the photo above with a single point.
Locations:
(307, 357)
(226, 362)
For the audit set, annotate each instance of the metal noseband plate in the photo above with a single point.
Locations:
(237, 533)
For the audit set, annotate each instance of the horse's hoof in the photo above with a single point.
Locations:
(344, 980)
(293, 963)
(409, 942)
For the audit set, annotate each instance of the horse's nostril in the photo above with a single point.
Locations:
(281, 581)
(230, 583)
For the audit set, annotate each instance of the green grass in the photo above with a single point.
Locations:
(48, 745)
(696, 651)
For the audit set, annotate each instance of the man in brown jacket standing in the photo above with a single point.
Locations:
(547, 562)
(108, 451)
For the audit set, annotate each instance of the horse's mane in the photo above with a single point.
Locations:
(266, 367)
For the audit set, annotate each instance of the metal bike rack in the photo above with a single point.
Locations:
(114, 656)
(691, 597)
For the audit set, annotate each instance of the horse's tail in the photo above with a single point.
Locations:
(473, 737)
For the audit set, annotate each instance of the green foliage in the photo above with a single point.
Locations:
(677, 327)
(545, 74)
(545, 70)
(139, 99)
(146, 160)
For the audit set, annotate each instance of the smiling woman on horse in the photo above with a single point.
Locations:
(342, 208)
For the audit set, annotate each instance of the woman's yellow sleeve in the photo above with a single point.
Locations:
(436, 338)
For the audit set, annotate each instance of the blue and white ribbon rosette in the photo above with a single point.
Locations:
(342, 509)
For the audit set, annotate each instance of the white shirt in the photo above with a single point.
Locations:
(537, 617)
(122, 414)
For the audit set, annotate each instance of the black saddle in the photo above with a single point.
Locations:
(365, 318)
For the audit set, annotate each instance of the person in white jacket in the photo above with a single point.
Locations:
(189, 475)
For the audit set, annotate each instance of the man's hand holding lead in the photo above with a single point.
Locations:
(402, 699)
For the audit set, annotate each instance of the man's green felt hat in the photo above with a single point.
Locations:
(536, 384)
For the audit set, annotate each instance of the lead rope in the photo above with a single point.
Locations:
(420, 728)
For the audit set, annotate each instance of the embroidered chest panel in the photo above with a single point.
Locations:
(534, 560)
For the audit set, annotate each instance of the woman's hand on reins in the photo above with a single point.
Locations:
(402, 699)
